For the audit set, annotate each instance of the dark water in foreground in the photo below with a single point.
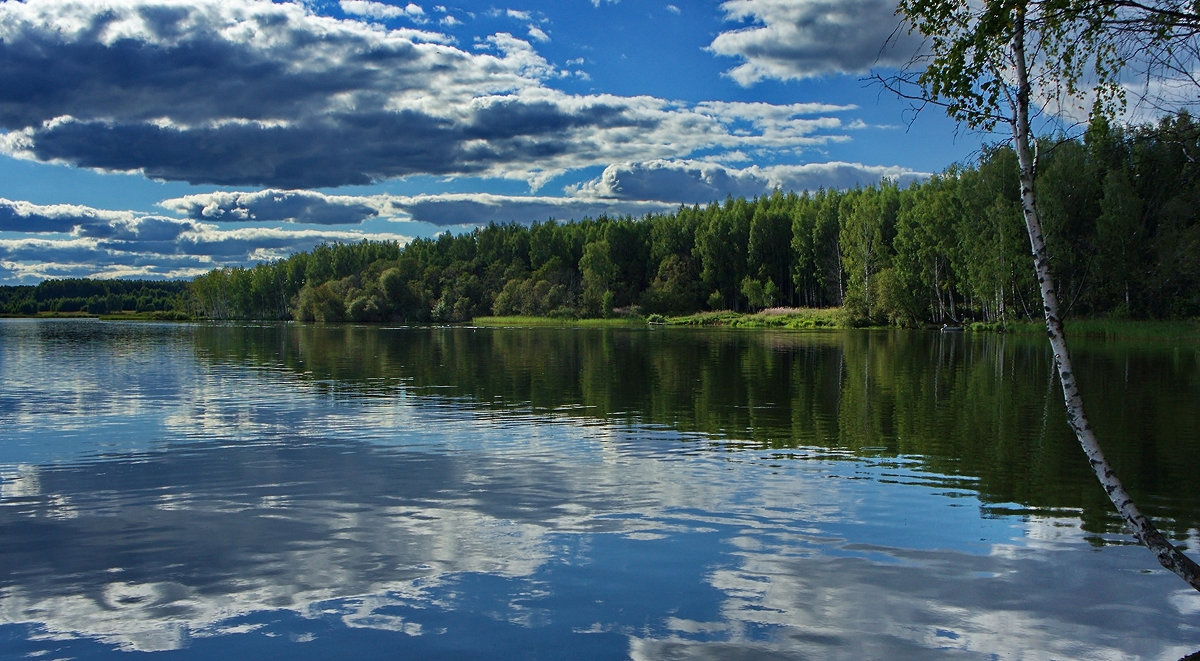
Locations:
(303, 492)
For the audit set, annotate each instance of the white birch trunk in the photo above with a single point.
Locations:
(1143, 529)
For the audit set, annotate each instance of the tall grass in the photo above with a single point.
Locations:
(1184, 331)
(795, 318)
(557, 322)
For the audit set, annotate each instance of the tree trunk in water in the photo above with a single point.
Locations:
(1143, 529)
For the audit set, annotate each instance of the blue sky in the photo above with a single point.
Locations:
(158, 138)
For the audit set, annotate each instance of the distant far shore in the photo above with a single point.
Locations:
(153, 315)
(1185, 331)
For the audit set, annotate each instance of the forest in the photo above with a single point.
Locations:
(1119, 206)
(95, 297)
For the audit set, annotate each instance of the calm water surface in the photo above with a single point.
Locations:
(317, 492)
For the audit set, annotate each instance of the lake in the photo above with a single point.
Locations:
(305, 492)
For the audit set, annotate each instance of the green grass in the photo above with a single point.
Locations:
(794, 318)
(836, 318)
(1014, 327)
(156, 315)
(558, 322)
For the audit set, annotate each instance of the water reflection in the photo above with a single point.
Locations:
(273, 499)
(987, 407)
(651, 558)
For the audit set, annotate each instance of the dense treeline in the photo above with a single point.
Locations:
(1119, 208)
(93, 296)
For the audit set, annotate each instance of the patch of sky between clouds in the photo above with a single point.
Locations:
(50, 183)
(419, 184)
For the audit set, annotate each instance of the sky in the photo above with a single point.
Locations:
(163, 139)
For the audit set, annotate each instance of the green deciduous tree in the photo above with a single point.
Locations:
(987, 64)
(599, 276)
(868, 225)
(1068, 197)
(1118, 237)
(769, 253)
(927, 251)
(720, 248)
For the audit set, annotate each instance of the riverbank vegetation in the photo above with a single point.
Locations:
(562, 322)
(1121, 226)
(94, 297)
(1119, 209)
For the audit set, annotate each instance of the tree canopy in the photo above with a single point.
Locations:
(949, 249)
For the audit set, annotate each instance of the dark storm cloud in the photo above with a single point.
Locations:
(236, 92)
(509, 118)
(11, 221)
(338, 150)
(794, 39)
(142, 61)
(358, 149)
(245, 93)
(142, 231)
(133, 80)
(43, 251)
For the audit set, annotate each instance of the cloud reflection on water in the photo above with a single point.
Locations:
(260, 499)
(189, 540)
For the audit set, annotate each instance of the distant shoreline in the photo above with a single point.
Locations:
(813, 319)
(836, 319)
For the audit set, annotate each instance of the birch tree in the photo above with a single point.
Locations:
(1158, 40)
(998, 63)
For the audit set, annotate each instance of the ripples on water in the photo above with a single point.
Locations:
(158, 496)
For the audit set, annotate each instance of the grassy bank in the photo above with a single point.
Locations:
(557, 322)
(795, 318)
(1139, 331)
(157, 315)
(50, 315)
(836, 318)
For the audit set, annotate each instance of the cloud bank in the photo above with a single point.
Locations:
(295, 206)
(243, 93)
(479, 208)
(74, 241)
(699, 182)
